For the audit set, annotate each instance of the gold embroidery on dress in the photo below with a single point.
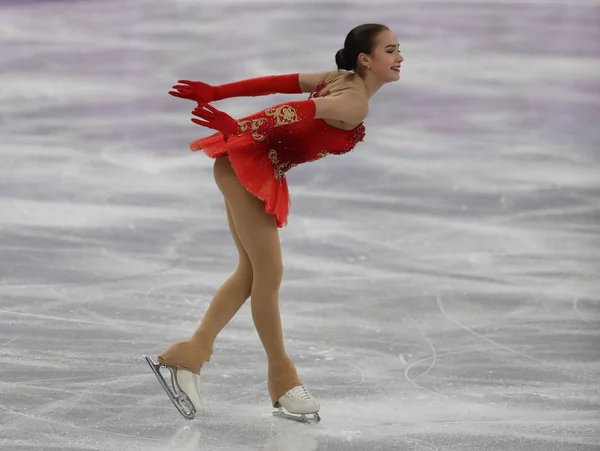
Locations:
(284, 114)
(279, 168)
(273, 156)
(274, 159)
(254, 126)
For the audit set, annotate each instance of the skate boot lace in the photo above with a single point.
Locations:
(300, 393)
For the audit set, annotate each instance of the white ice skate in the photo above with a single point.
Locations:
(185, 393)
(298, 403)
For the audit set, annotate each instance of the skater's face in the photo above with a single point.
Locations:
(385, 59)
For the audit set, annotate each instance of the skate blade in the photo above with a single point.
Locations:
(300, 418)
(180, 400)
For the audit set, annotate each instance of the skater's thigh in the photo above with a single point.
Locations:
(244, 261)
(257, 230)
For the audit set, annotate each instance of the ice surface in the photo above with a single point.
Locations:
(442, 281)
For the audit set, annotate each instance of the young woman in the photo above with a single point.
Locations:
(252, 155)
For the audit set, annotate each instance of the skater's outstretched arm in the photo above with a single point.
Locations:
(201, 92)
(345, 108)
(295, 83)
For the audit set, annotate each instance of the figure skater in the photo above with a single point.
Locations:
(252, 155)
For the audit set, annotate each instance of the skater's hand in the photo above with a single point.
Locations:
(197, 91)
(215, 119)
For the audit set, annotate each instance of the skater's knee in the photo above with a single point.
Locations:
(243, 274)
(244, 266)
(268, 275)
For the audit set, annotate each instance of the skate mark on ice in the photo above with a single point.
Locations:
(70, 404)
(329, 355)
(28, 219)
(6, 343)
(575, 308)
(65, 379)
(483, 337)
(36, 387)
(161, 286)
(433, 351)
(93, 281)
(231, 394)
(362, 376)
(426, 359)
(59, 318)
(435, 448)
(107, 254)
(74, 426)
(55, 318)
(433, 358)
(112, 325)
(174, 264)
(354, 384)
(90, 390)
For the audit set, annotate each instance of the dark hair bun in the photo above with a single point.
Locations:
(340, 59)
(361, 39)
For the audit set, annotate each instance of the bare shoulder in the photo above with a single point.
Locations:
(310, 80)
(347, 107)
(356, 104)
(352, 98)
(344, 99)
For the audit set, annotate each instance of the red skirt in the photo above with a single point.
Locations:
(255, 171)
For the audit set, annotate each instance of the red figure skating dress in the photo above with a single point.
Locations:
(261, 154)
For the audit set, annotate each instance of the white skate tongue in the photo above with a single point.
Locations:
(299, 393)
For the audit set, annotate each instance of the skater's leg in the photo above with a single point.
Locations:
(259, 237)
(191, 354)
(230, 297)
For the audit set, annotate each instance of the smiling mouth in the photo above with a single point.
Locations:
(396, 68)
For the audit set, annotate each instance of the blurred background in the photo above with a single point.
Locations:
(441, 287)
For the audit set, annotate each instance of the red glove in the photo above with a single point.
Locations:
(215, 119)
(194, 90)
(201, 92)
